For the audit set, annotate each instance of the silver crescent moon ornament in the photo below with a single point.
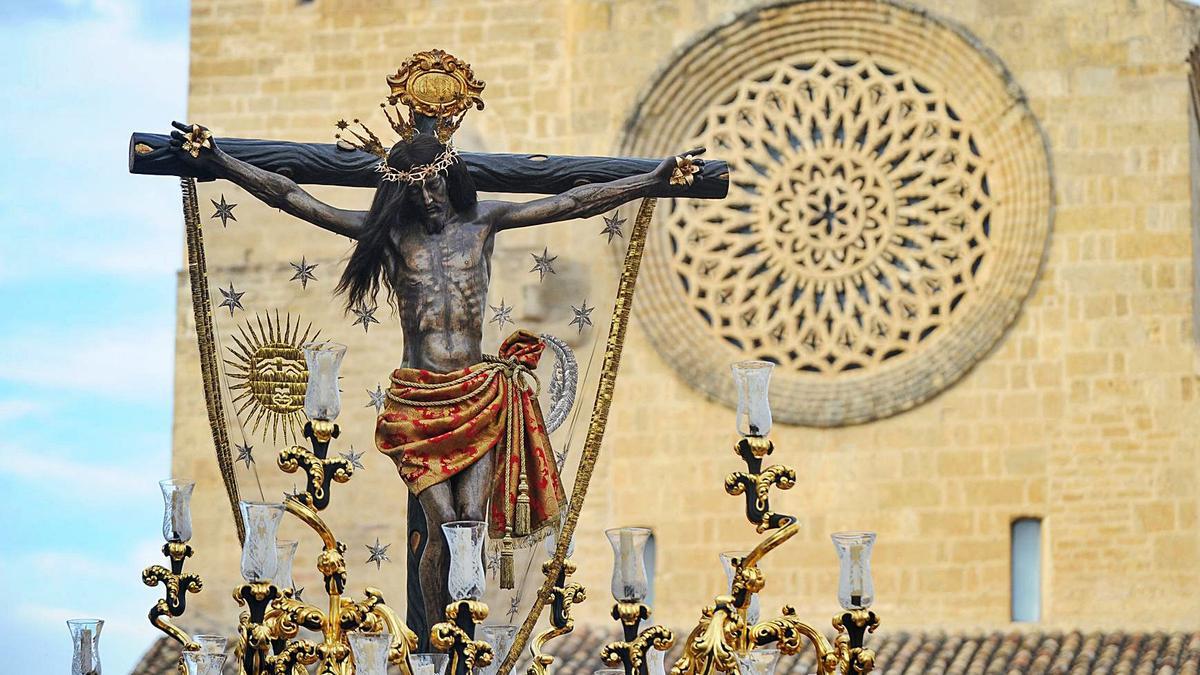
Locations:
(564, 381)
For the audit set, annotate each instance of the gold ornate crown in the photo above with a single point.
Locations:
(432, 84)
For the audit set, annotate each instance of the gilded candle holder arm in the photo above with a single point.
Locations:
(177, 531)
(630, 587)
(563, 596)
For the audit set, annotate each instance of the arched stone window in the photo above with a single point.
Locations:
(1026, 569)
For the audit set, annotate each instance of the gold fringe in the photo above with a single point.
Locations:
(206, 342)
(508, 577)
(521, 526)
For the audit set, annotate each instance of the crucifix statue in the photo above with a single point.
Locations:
(463, 428)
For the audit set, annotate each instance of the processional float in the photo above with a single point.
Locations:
(363, 635)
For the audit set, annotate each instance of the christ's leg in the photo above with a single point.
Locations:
(438, 503)
(473, 487)
(471, 491)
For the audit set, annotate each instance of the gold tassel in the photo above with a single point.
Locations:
(521, 526)
(507, 573)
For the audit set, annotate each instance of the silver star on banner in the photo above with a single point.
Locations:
(514, 607)
(612, 226)
(502, 314)
(378, 398)
(583, 316)
(297, 592)
(244, 454)
(365, 316)
(304, 272)
(233, 299)
(542, 263)
(224, 211)
(353, 457)
(378, 554)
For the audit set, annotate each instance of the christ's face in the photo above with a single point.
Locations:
(432, 201)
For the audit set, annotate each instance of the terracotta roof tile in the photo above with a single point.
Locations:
(903, 653)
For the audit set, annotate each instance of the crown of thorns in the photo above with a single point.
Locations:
(420, 172)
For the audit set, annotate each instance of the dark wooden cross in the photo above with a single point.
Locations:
(332, 164)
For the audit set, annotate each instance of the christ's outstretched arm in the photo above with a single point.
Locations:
(584, 201)
(272, 189)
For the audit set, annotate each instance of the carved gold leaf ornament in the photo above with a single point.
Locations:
(431, 84)
(890, 199)
(436, 84)
(270, 375)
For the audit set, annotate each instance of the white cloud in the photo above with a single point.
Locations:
(79, 479)
(67, 202)
(130, 361)
(14, 409)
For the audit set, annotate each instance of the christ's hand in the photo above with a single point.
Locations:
(197, 147)
(681, 169)
(195, 144)
(585, 201)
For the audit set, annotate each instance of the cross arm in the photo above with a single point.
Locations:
(331, 164)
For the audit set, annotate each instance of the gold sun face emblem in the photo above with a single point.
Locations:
(272, 376)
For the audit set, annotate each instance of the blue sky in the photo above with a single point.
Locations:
(88, 256)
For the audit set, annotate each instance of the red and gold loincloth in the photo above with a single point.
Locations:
(437, 424)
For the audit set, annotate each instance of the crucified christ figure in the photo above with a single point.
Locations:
(427, 242)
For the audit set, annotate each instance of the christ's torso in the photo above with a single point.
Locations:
(441, 283)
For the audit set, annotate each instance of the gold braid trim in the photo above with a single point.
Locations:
(202, 311)
(591, 446)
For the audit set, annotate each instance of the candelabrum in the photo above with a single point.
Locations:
(361, 637)
(727, 637)
(356, 636)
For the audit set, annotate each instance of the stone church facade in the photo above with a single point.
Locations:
(1039, 362)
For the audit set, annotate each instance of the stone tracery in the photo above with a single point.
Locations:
(886, 210)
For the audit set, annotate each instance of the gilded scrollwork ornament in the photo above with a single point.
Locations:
(456, 635)
(723, 635)
(712, 645)
(852, 626)
(563, 595)
(756, 483)
(631, 654)
(321, 471)
(177, 584)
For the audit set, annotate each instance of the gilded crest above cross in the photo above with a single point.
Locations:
(426, 243)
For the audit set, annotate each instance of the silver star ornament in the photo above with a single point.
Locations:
(501, 315)
(224, 211)
(583, 315)
(378, 398)
(543, 264)
(378, 553)
(233, 299)
(366, 317)
(355, 458)
(304, 272)
(245, 454)
(612, 226)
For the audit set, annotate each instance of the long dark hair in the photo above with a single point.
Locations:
(396, 206)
